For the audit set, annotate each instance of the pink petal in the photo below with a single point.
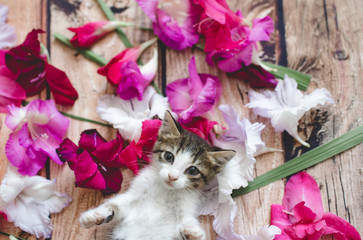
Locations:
(279, 218)
(68, 152)
(178, 95)
(112, 69)
(303, 214)
(303, 187)
(27, 160)
(60, 86)
(87, 174)
(90, 140)
(312, 231)
(340, 228)
(149, 7)
(261, 30)
(195, 84)
(88, 34)
(215, 9)
(107, 153)
(200, 126)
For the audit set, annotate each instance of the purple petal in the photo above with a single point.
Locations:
(68, 152)
(27, 160)
(178, 95)
(303, 187)
(149, 7)
(261, 30)
(194, 82)
(90, 140)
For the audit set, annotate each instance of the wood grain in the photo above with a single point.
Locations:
(322, 38)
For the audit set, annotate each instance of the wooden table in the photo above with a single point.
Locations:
(322, 38)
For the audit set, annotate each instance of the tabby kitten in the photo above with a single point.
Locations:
(163, 200)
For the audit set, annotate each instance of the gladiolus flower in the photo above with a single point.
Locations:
(193, 96)
(123, 71)
(231, 40)
(201, 127)
(7, 33)
(128, 116)
(10, 91)
(38, 131)
(301, 215)
(28, 202)
(96, 163)
(173, 21)
(33, 71)
(256, 76)
(286, 105)
(88, 34)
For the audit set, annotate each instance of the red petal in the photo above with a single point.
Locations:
(87, 174)
(129, 159)
(113, 178)
(107, 153)
(200, 126)
(90, 140)
(60, 86)
(67, 152)
(149, 135)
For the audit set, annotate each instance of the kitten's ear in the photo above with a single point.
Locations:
(222, 157)
(169, 126)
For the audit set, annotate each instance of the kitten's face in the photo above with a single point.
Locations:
(183, 159)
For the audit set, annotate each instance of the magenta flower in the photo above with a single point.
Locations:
(124, 72)
(38, 129)
(301, 215)
(32, 71)
(88, 34)
(96, 163)
(173, 21)
(10, 91)
(256, 76)
(201, 127)
(193, 96)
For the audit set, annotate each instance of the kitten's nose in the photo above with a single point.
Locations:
(172, 178)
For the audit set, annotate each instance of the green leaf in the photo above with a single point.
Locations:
(109, 14)
(279, 72)
(306, 160)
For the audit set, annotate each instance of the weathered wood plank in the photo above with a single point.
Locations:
(323, 38)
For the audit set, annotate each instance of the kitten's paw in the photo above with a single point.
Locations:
(96, 216)
(194, 232)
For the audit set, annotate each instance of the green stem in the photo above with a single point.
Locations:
(306, 160)
(86, 119)
(109, 14)
(9, 235)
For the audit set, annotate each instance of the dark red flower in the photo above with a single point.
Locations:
(201, 127)
(96, 163)
(256, 76)
(32, 71)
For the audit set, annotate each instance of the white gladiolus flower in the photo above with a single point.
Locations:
(286, 105)
(127, 116)
(7, 33)
(28, 201)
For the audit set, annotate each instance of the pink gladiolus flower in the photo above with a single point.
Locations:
(96, 163)
(301, 215)
(38, 131)
(88, 34)
(149, 135)
(124, 72)
(193, 96)
(173, 21)
(10, 91)
(32, 71)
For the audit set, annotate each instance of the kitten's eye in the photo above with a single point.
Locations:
(193, 171)
(169, 157)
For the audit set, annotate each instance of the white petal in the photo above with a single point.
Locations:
(3, 13)
(149, 70)
(7, 36)
(286, 105)
(31, 207)
(265, 233)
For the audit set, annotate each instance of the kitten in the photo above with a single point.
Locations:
(163, 200)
